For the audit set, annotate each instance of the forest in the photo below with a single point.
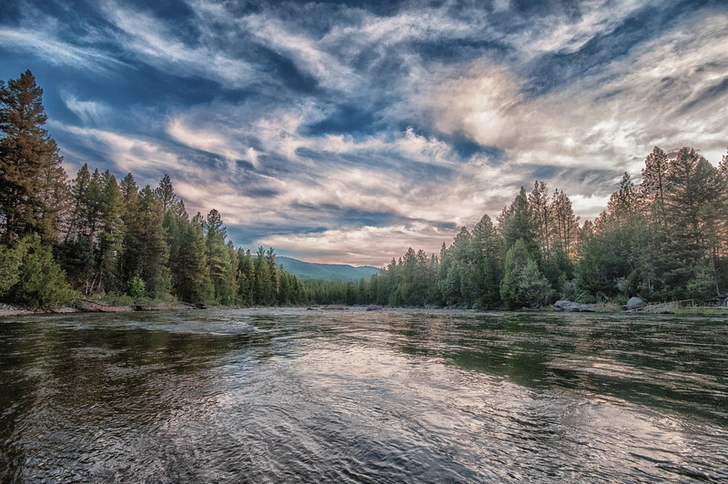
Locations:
(663, 239)
(95, 236)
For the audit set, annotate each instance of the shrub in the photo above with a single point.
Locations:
(41, 281)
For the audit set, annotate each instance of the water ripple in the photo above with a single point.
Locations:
(391, 396)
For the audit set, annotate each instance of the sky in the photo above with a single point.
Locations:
(346, 132)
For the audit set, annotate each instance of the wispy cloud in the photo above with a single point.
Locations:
(91, 113)
(659, 96)
(351, 132)
(43, 43)
(157, 43)
(351, 243)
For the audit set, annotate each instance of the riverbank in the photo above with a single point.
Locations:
(7, 310)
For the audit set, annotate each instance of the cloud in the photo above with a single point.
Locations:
(560, 33)
(354, 244)
(668, 93)
(349, 133)
(42, 42)
(90, 112)
(159, 44)
(304, 52)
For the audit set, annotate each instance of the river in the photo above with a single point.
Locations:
(289, 395)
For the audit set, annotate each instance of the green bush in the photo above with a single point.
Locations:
(137, 288)
(41, 281)
(523, 285)
(10, 260)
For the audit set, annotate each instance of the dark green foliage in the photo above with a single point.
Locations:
(246, 278)
(190, 277)
(10, 261)
(517, 222)
(263, 288)
(523, 285)
(137, 288)
(41, 282)
(222, 261)
(116, 238)
(665, 239)
(486, 268)
(32, 180)
(145, 249)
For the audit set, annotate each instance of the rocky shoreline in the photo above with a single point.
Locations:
(7, 310)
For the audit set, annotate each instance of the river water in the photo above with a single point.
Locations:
(354, 396)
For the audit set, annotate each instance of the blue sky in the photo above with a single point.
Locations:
(348, 131)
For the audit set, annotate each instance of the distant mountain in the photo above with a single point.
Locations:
(327, 272)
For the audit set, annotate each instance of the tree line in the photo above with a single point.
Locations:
(93, 235)
(665, 239)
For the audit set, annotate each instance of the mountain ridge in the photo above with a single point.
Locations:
(327, 272)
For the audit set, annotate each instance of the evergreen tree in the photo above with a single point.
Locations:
(565, 224)
(487, 266)
(654, 187)
(109, 238)
(614, 255)
(41, 281)
(77, 252)
(246, 278)
(523, 284)
(190, 273)
(517, 222)
(275, 276)
(32, 180)
(221, 262)
(165, 193)
(263, 284)
(538, 202)
(456, 286)
(691, 246)
(145, 248)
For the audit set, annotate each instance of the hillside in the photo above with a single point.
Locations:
(327, 272)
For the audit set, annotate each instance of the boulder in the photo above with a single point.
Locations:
(634, 304)
(566, 305)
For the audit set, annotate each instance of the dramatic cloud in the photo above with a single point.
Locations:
(347, 132)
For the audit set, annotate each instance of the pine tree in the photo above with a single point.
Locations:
(538, 202)
(190, 273)
(691, 249)
(263, 284)
(517, 222)
(654, 187)
(146, 251)
(565, 224)
(109, 239)
(165, 193)
(32, 180)
(246, 278)
(523, 284)
(487, 266)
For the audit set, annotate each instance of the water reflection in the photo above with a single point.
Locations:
(290, 395)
